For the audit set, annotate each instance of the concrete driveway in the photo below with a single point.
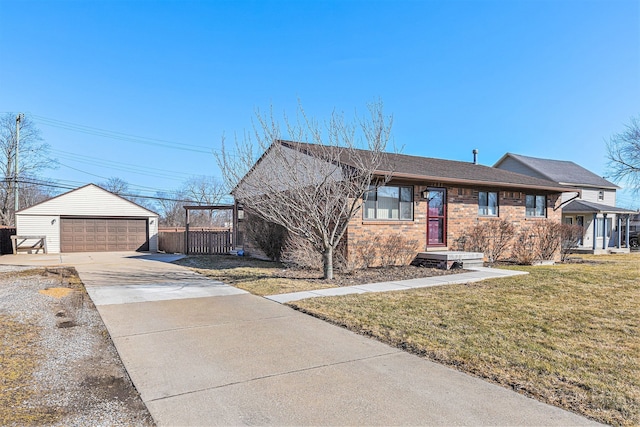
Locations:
(203, 353)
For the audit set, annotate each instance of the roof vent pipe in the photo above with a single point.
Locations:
(475, 156)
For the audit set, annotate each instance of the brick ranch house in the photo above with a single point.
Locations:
(436, 202)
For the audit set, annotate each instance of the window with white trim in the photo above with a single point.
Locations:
(599, 227)
(487, 203)
(536, 205)
(389, 202)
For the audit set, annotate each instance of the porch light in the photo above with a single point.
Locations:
(425, 194)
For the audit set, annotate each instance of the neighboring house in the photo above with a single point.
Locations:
(436, 202)
(635, 222)
(591, 203)
(90, 219)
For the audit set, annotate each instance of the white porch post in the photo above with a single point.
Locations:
(619, 243)
(604, 231)
(626, 235)
(595, 230)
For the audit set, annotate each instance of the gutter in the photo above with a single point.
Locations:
(395, 175)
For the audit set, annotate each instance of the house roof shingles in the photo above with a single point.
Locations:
(583, 206)
(431, 169)
(562, 171)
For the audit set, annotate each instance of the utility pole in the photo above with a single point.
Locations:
(19, 118)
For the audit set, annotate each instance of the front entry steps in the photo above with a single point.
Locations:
(447, 260)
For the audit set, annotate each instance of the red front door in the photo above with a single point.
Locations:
(437, 217)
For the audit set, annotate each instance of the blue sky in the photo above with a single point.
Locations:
(550, 79)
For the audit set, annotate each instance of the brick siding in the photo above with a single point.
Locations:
(462, 215)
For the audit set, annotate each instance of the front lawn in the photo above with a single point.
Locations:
(568, 335)
(252, 275)
(272, 278)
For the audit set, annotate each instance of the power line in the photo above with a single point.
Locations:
(121, 167)
(156, 190)
(114, 165)
(58, 186)
(128, 167)
(120, 135)
(141, 187)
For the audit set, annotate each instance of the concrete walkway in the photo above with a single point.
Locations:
(204, 353)
(473, 275)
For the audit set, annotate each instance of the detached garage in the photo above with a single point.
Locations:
(90, 219)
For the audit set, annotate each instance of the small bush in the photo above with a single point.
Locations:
(267, 236)
(301, 253)
(570, 236)
(523, 247)
(397, 250)
(364, 254)
(383, 250)
(492, 238)
(539, 242)
(547, 239)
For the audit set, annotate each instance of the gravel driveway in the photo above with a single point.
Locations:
(58, 365)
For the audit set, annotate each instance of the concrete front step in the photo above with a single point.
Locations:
(450, 259)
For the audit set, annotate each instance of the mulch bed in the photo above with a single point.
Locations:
(366, 275)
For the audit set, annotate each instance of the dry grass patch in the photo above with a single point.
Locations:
(252, 275)
(20, 345)
(271, 278)
(58, 365)
(568, 334)
(20, 356)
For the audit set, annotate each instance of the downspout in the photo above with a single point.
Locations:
(578, 194)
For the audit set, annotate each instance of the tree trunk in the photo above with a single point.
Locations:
(327, 263)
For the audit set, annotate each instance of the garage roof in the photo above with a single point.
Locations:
(89, 200)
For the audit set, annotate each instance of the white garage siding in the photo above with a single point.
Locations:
(40, 225)
(89, 201)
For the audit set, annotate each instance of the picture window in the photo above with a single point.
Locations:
(536, 205)
(389, 203)
(487, 203)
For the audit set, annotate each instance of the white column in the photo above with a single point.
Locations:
(604, 231)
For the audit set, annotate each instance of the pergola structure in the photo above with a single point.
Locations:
(234, 211)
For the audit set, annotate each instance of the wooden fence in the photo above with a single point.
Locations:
(171, 242)
(201, 242)
(209, 242)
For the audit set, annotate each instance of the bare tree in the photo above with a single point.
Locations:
(171, 208)
(34, 157)
(120, 187)
(116, 185)
(204, 190)
(197, 190)
(313, 187)
(207, 190)
(623, 152)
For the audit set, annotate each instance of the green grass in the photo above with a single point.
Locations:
(568, 334)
